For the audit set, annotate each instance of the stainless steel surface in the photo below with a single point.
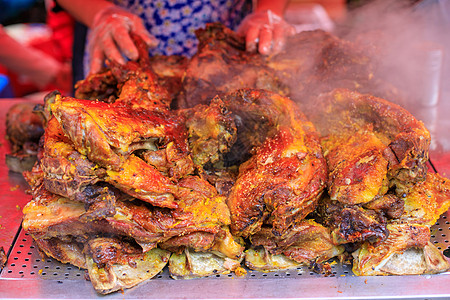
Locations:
(12, 186)
(29, 275)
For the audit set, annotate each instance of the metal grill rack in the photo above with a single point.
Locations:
(25, 261)
(52, 279)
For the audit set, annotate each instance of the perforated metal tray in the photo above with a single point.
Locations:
(52, 279)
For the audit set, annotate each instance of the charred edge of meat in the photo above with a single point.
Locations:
(389, 205)
(356, 226)
(320, 268)
(99, 202)
(353, 224)
(252, 131)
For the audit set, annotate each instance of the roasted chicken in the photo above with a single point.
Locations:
(282, 181)
(128, 180)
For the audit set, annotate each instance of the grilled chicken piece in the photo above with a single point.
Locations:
(407, 251)
(283, 180)
(352, 223)
(357, 167)
(100, 86)
(306, 243)
(170, 72)
(143, 181)
(108, 133)
(65, 251)
(134, 83)
(66, 171)
(221, 65)
(212, 131)
(405, 140)
(115, 264)
(201, 212)
(427, 200)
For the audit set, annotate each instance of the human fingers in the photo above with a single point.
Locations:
(149, 39)
(110, 50)
(124, 44)
(97, 59)
(252, 38)
(279, 39)
(265, 40)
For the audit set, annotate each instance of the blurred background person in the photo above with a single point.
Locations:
(36, 50)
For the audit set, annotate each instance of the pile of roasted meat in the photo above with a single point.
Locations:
(231, 160)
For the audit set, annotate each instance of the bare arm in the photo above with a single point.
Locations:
(84, 11)
(276, 6)
(36, 65)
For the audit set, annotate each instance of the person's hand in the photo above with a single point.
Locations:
(110, 37)
(265, 31)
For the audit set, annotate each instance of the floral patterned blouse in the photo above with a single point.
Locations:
(173, 22)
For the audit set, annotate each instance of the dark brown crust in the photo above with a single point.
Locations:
(406, 138)
(273, 187)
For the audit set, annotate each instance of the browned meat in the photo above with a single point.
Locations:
(133, 177)
(65, 251)
(306, 243)
(108, 133)
(390, 205)
(407, 251)
(402, 140)
(357, 167)
(200, 210)
(155, 80)
(212, 131)
(23, 131)
(170, 72)
(198, 241)
(101, 86)
(352, 224)
(66, 171)
(221, 65)
(283, 180)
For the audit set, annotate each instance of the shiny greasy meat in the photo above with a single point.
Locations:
(402, 139)
(282, 181)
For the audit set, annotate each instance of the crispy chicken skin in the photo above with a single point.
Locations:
(407, 251)
(427, 200)
(283, 180)
(93, 128)
(201, 212)
(66, 171)
(405, 139)
(304, 243)
(357, 167)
